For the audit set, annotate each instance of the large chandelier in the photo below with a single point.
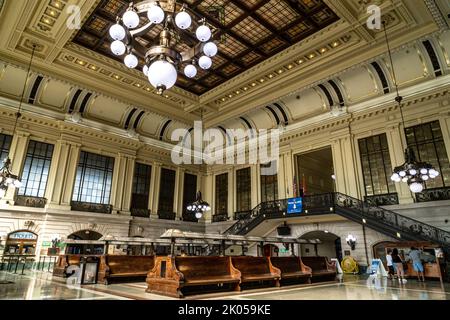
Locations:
(199, 206)
(162, 59)
(412, 172)
(7, 178)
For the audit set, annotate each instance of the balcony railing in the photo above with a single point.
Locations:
(91, 207)
(242, 215)
(436, 194)
(220, 217)
(140, 213)
(382, 199)
(32, 202)
(167, 215)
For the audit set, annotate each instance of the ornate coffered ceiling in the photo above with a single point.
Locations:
(249, 32)
(335, 39)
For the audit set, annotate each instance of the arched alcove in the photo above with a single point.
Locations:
(85, 248)
(329, 246)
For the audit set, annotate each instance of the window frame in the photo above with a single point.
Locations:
(140, 176)
(221, 193)
(243, 188)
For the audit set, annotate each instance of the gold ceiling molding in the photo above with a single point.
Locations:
(48, 17)
(98, 63)
(290, 67)
(278, 59)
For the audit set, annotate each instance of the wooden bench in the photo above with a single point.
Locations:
(292, 268)
(322, 270)
(64, 261)
(172, 275)
(125, 267)
(256, 269)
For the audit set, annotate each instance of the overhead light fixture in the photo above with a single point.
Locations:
(199, 207)
(7, 178)
(414, 173)
(163, 60)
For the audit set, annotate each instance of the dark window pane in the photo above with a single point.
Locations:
(166, 191)
(269, 185)
(243, 190)
(5, 144)
(189, 190)
(428, 145)
(376, 165)
(221, 205)
(36, 168)
(93, 179)
(141, 186)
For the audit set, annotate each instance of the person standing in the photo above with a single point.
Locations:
(390, 265)
(414, 255)
(397, 260)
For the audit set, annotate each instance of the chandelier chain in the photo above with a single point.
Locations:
(18, 114)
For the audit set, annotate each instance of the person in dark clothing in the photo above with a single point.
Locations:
(397, 260)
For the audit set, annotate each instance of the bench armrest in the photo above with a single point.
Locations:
(235, 273)
(304, 267)
(273, 269)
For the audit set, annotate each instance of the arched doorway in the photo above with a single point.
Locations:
(85, 248)
(329, 246)
(270, 250)
(21, 242)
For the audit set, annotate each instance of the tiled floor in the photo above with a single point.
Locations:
(42, 286)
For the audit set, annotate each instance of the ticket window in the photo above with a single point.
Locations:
(21, 243)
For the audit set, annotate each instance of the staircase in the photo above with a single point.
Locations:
(379, 219)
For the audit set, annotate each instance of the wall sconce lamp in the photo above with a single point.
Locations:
(351, 241)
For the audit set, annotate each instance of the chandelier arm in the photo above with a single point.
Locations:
(142, 30)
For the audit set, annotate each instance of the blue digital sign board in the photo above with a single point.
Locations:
(295, 205)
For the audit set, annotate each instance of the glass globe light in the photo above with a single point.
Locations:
(17, 184)
(189, 208)
(131, 61)
(145, 70)
(155, 14)
(416, 187)
(198, 215)
(9, 181)
(117, 32)
(434, 173)
(118, 48)
(395, 176)
(130, 19)
(205, 62)
(162, 74)
(190, 71)
(423, 171)
(425, 178)
(203, 33)
(405, 179)
(183, 20)
(402, 173)
(413, 172)
(210, 49)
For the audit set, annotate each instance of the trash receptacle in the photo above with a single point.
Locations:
(89, 270)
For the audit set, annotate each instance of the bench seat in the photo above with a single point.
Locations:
(122, 266)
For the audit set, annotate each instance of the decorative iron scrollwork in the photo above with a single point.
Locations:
(91, 207)
(436, 194)
(167, 215)
(141, 213)
(32, 202)
(220, 217)
(382, 199)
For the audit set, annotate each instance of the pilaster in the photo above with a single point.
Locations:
(397, 144)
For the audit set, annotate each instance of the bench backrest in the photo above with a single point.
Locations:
(287, 264)
(198, 267)
(251, 265)
(129, 264)
(316, 263)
